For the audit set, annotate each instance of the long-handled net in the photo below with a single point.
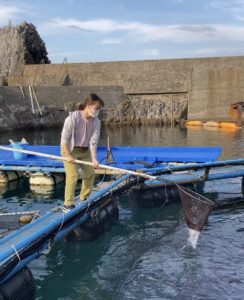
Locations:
(196, 207)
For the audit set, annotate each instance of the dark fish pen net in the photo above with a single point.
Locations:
(196, 208)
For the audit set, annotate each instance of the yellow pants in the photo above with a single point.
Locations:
(71, 170)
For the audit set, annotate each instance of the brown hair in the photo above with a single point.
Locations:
(90, 100)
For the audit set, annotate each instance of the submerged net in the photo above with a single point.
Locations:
(196, 208)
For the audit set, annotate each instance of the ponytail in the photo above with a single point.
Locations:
(81, 106)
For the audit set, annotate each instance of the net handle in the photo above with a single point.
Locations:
(62, 158)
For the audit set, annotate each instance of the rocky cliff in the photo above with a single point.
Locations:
(20, 45)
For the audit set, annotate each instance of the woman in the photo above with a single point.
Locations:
(81, 130)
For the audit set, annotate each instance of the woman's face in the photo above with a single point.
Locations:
(94, 110)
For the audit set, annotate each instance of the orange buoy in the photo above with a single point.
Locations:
(211, 124)
(25, 219)
(229, 125)
(194, 123)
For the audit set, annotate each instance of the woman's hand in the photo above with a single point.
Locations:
(66, 153)
(95, 163)
(70, 158)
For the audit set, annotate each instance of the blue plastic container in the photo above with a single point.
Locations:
(21, 146)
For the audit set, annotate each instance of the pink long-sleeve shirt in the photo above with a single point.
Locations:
(79, 131)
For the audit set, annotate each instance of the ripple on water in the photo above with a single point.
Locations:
(212, 271)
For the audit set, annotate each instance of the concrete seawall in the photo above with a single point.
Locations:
(55, 103)
(159, 91)
(210, 84)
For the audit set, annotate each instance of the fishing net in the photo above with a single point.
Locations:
(20, 287)
(196, 208)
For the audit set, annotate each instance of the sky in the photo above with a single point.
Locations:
(119, 30)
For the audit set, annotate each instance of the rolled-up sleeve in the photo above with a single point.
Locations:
(96, 134)
(66, 131)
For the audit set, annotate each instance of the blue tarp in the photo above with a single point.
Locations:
(122, 155)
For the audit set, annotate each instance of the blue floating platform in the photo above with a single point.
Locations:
(121, 155)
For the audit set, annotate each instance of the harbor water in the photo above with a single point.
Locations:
(145, 255)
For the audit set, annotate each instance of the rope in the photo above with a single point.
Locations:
(16, 252)
(111, 193)
(137, 180)
(88, 206)
(166, 196)
(62, 223)
(19, 213)
(35, 216)
(49, 248)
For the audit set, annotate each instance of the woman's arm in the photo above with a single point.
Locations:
(69, 157)
(94, 155)
(66, 137)
(93, 143)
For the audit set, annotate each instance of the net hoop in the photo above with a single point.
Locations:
(195, 195)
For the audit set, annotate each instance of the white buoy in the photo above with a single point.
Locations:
(3, 188)
(42, 179)
(42, 183)
(44, 190)
(7, 176)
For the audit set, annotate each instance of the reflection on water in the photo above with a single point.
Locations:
(232, 142)
(145, 255)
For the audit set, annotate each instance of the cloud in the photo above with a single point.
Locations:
(151, 52)
(111, 41)
(233, 7)
(9, 12)
(206, 51)
(99, 26)
(143, 32)
(214, 51)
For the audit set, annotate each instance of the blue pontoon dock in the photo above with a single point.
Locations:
(124, 157)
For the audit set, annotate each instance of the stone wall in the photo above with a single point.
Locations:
(135, 77)
(149, 109)
(55, 103)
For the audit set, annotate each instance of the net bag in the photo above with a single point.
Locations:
(196, 208)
